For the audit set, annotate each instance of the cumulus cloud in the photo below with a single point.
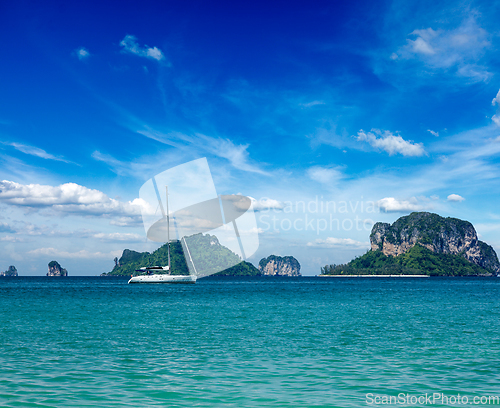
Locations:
(496, 99)
(22, 228)
(460, 49)
(130, 45)
(332, 242)
(82, 254)
(455, 198)
(433, 133)
(265, 203)
(324, 175)
(82, 53)
(119, 236)
(34, 151)
(126, 222)
(392, 144)
(391, 204)
(69, 198)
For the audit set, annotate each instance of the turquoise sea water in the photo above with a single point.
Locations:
(245, 342)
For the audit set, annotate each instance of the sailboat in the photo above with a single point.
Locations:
(162, 274)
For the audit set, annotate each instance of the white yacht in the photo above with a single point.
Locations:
(161, 274)
(157, 274)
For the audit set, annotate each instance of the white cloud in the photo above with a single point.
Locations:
(22, 228)
(475, 73)
(390, 204)
(82, 254)
(130, 45)
(82, 53)
(460, 48)
(236, 154)
(69, 198)
(331, 242)
(11, 238)
(433, 133)
(422, 44)
(311, 104)
(126, 222)
(496, 99)
(34, 151)
(266, 204)
(455, 197)
(119, 236)
(391, 143)
(324, 175)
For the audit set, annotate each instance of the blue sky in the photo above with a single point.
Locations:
(388, 107)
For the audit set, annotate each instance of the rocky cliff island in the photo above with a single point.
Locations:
(423, 243)
(12, 271)
(56, 270)
(279, 266)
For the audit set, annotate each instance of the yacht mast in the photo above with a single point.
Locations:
(168, 234)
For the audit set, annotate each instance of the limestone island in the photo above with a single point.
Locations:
(425, 244)
(56, 270)
(12, 271)
(130, 261)
(279, 266)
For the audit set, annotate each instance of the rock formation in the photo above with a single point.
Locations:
(12, 271)
(436, 233)
(279, 266)
(56, 270)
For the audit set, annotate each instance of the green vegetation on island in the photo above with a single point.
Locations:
(206, 251)
(416, 261)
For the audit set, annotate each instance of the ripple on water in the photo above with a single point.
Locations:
(244, 342)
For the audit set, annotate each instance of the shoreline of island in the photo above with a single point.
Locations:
(373, 276)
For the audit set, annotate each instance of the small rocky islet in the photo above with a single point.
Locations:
(12, 271)
(423, 243)
(56, 270)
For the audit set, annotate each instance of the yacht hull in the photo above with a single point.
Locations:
(163, 279)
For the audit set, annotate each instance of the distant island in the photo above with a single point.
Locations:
(131, 260)
(279, 266)
(56, 270)
(423, 243)
(12, 271)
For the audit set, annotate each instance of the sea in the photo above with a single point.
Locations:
(249, 342)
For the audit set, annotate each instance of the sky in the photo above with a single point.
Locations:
(331, 115)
